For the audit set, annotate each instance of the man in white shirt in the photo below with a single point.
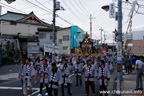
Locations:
(138, 70)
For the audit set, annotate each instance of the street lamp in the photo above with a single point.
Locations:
(106, 8)
(10, 1)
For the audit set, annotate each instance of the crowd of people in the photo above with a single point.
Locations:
(134, 65)
(55, 74)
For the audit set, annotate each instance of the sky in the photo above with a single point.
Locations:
(77, 12)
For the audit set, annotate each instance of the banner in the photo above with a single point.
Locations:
(49, 48)
(112, 10)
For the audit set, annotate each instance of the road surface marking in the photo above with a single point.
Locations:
(37, 91)
(16, 88)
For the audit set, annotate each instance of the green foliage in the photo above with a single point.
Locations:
(41, 49)
(9, 52)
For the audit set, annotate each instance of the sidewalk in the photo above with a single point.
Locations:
(128, 86)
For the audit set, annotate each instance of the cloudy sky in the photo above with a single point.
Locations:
(77, 12)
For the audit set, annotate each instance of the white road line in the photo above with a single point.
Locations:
(71, 75)
(16, 88)
(37, 91)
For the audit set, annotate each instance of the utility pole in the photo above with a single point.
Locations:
(91, 26)
(119, 50)
(54, 16)
(104, 37)
(101, 35)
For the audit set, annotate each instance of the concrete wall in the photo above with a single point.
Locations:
(45, 40)
(14, 46)
(64, 43)
(24, 29)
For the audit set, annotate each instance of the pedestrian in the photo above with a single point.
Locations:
(128, 64)
(89, 72)
(20, 72)
(38, 65)
(139, 72)
(66, 68)
(133, 63)
(54, 80)
(27, 74)
(44, 70)
(78, 71)
(103, 77)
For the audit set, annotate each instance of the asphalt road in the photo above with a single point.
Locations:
(13, 87)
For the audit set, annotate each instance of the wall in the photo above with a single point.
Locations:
(78, 36)
(137, 47)
(24, 29)
(64, 43)
(45, 40)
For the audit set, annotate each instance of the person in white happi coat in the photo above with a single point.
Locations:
(27, 73)
(74, 59)
(78, 71)
(44, 71)
(20, 72)
(103, 77)
(66, 68)
(37, 65)
(54, 80)
(89, 73)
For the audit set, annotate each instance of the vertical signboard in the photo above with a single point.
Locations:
(112, 10)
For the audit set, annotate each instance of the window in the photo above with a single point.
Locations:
(60, 41)
(139, 48)
(51, 36)
(135, 49)
(42, 35)
(65, 37)
(143, 37)
(143, 49)
(65, 47)
(33, 49)
(130, 48)
(13, 23)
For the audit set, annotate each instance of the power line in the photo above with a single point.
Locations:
(72, 11)
(11, 7)
(48, 11)
(83, 7)
(80, 8)
(51, 12)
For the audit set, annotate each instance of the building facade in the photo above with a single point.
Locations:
(21, 26)
(135, 43)
(68, 39)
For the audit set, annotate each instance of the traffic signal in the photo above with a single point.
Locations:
(10, 1)
(116, 34)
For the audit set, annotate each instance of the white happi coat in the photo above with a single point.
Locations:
(38, 67)
(56, 78)
(27, 72)
(21, 69)
(89, 73)
(78, 69)
(65, 71)
(74, 60)
(103, 72)
(44, 77)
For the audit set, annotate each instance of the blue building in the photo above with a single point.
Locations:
(77, 34)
